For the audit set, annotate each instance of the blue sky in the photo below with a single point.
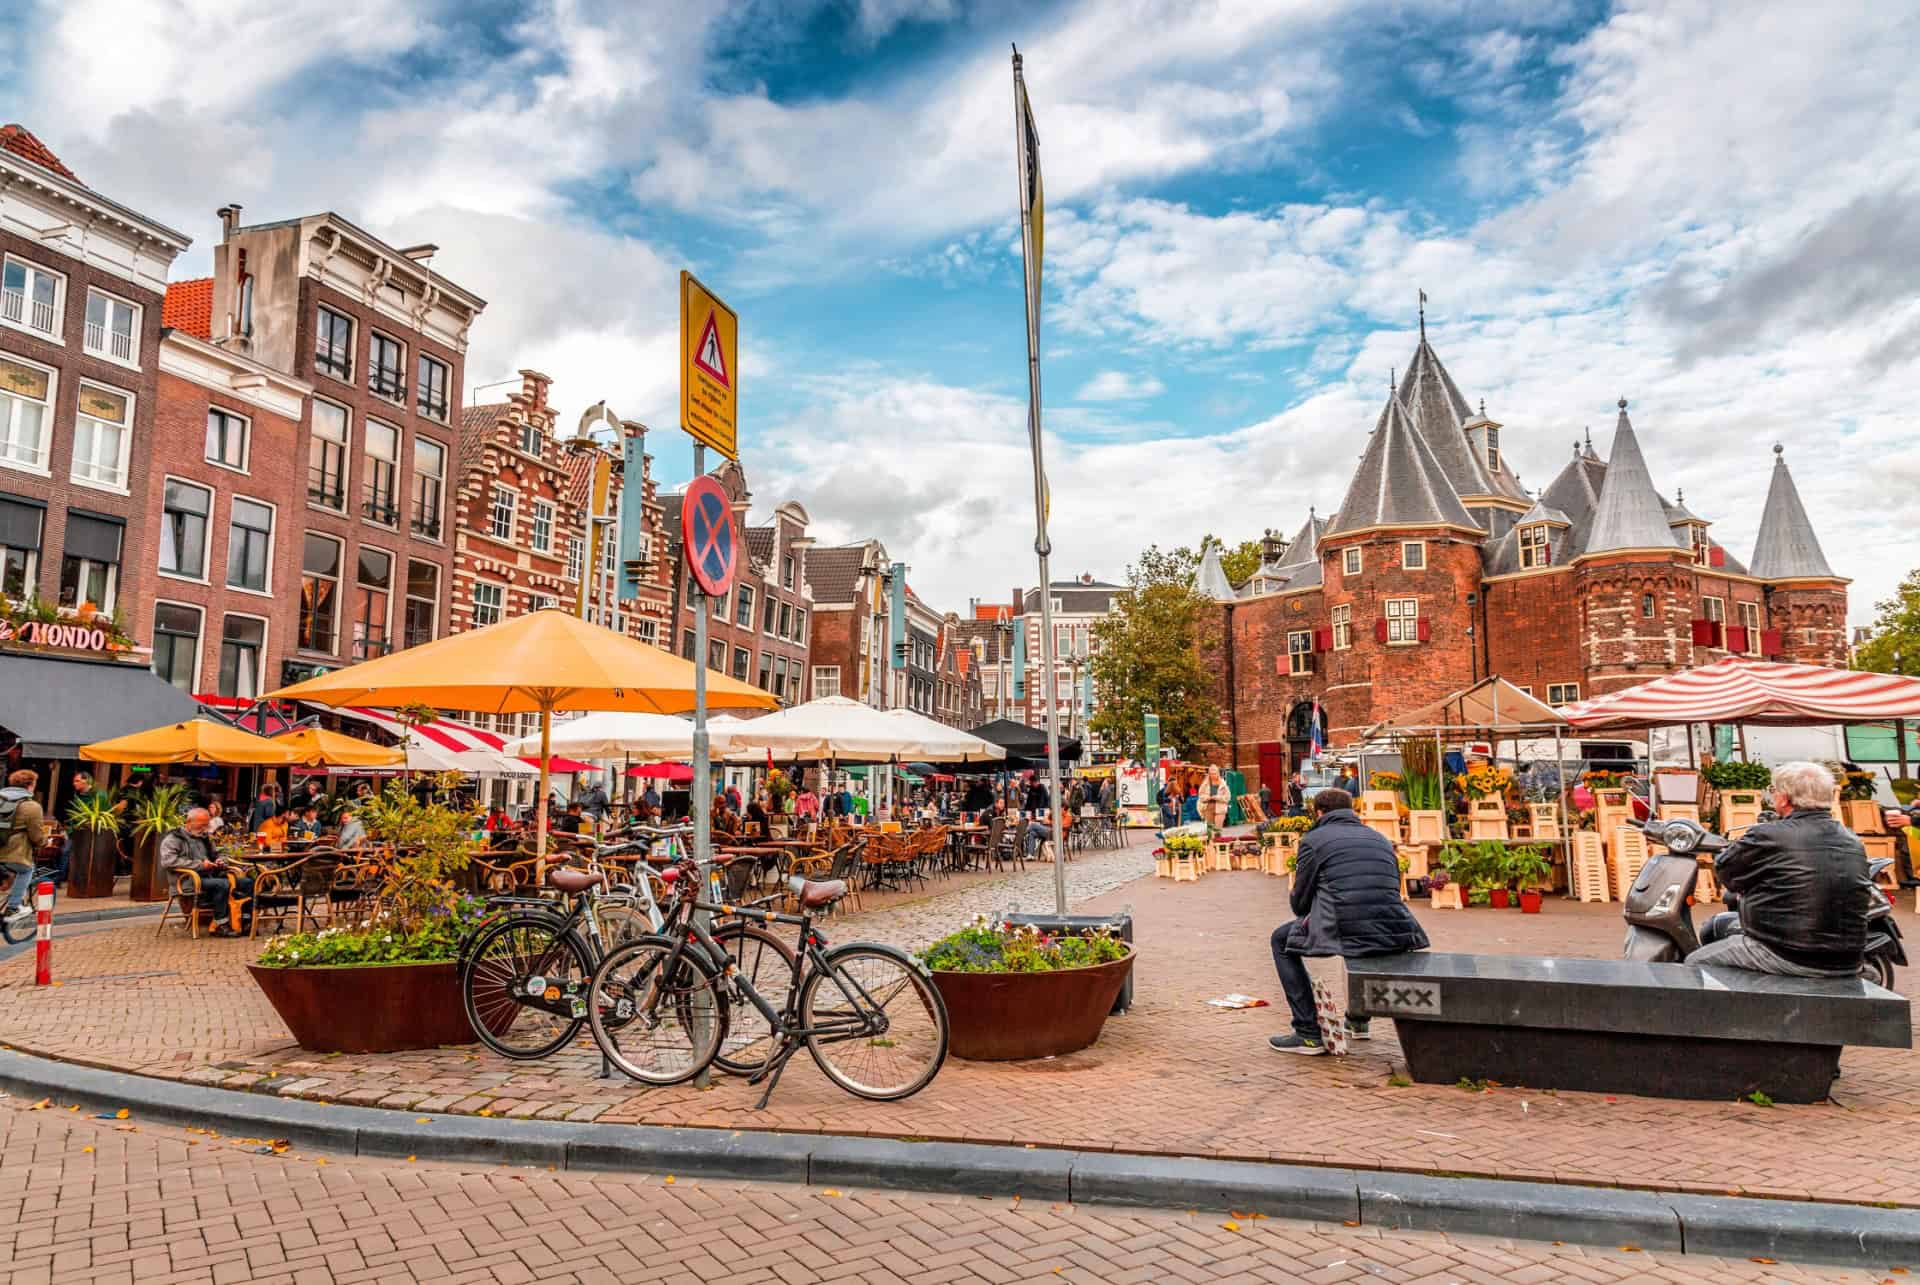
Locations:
(1707, 209)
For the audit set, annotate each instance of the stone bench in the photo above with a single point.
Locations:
(1618, 1026)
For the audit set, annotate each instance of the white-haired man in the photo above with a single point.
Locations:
(1802, 887)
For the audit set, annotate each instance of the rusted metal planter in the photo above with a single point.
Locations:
(95, 863)
(368, 1008)
(147, 883)
(1004, 1017)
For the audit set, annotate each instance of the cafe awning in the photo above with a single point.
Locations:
(55, 704)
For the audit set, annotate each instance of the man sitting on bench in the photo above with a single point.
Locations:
(1802, 887)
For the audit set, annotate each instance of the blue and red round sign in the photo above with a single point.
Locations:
(706, 527)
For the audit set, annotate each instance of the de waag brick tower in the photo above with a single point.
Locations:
(1440, 569)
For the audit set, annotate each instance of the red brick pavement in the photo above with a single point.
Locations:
(83, 1199)
(1173, 1076)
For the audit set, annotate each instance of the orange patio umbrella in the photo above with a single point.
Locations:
(198, 740)
(318, 747)
(544, 661)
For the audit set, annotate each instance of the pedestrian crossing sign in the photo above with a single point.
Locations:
(709, 368)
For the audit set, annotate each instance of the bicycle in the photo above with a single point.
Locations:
(21, 925)
(661, 1007)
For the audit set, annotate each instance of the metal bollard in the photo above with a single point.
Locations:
(43, 934)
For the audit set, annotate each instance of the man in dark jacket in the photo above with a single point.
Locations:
(1346, 892)
(1802, 886)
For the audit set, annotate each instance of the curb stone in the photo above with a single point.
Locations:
(1845, 1235)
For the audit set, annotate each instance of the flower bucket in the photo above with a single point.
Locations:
(1497, 898)
(1530, 902)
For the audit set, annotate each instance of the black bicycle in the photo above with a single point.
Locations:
(662, 1008)
(20, 925)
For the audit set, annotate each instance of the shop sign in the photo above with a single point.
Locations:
(69, 637)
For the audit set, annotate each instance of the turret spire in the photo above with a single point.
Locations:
(1787, 548)
(1629, 514)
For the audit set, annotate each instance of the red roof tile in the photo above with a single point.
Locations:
(189, 307)
(19, 140)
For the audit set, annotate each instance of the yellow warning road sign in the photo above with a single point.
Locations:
(709, 368)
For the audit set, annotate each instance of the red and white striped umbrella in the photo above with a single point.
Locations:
(1752, 691)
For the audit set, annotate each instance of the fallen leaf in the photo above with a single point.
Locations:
(1767, 1262)
(1630, 1249)
(121, 1114)
(669, 1182)
(830, 1191)
(484, 1111)
(41, 1105)
(88, 1150)
(1231, 1226)
(423, 1119)
(409, 1159)
(1351, 1222)
(322, 1160)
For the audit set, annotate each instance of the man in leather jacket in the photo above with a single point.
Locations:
(1802, 886)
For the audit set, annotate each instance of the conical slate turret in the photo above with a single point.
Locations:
(1211, 578)
(1630, 514)
(1787, 548)
(1399, 482)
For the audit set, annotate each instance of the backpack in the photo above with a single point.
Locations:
(10, 800)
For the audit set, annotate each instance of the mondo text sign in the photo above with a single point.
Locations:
(39, 633)
(709, 368)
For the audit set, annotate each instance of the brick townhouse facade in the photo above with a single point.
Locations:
(82, 281)
(1016, 660)
(1439, 568)
(852, 623)
(959, 698)
(518, 537)
(648, 614)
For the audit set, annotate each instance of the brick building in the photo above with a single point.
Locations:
(646, 615)
(1439, 569)
(1078, 605)
(518, 537)
(959, 697)
(82, 280)
(853, 623)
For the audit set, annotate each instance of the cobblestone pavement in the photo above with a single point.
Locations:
(1174, 1075)
(85, 1199)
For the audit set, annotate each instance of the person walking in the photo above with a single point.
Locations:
(1215, 798)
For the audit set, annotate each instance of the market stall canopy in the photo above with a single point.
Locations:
(831, 727)
(198, 740)
(1490, 703)
(945, 744)
(50, 698)
(1752, 691)
(447, 745)
(1026, 744)
(318, 747)
(612, 734)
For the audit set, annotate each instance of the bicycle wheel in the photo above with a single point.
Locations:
(874, 1023)
(524, 985)
(621, 923)
(767, 963)
(659, 1029)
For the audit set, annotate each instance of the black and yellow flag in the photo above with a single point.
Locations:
(1032, 200)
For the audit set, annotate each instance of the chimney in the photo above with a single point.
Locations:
(421, 254)
(533, 384)
(229, 216)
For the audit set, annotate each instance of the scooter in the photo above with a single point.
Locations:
(1660, 918)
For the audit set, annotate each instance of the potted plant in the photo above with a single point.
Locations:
(391, 981)
(94, 819)
(159, 810)
(1015, 992)
(1531, 871)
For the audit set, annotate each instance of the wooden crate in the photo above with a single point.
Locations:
(1387, 828)
(1543, 819)
(1447, 898)
(1427, 825)
(1629, 854)
(1610, 811)
(1587, 868)
(1738, 810)
(1379, 803)
(1680, 812)
(1706, 888)
(1863, 816)
(1487, 819)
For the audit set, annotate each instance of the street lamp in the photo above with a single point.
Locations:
(1004, 627)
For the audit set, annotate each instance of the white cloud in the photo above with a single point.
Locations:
(1118, 386)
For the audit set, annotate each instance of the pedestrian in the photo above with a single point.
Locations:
(1346, 902)
(1296, 795)
(1215, 798)
(1164, 799)
(593, 801)
(266, 807)
(23, 832)
(1036, 800)
(1266, 799)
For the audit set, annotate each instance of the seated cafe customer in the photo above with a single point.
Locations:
(222, 889)
(570, 821)
(305, 823)
(273, 831)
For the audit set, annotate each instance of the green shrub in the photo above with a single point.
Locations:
(1739, 774)
(434, 938)
(988, 947)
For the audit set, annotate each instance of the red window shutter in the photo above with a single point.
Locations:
(1380, 629)
(1425, 630)
(1736, 637)
(1280, 664)
(1703, 633)
(1770, 642)
(1323, 639)
(1716, 556)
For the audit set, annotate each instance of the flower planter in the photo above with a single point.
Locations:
(147, 883)
(1497, 898)
(369, 1008)
(1530, 902)
(95, 862)
(1003, 1017)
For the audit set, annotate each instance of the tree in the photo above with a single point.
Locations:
(1147, 659)
(1179, 566)
(1239, 562)
(1894, 646)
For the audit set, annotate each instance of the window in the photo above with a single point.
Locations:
(382, 447)
(30, 297)
(429, 484)
(430, 387)
(489, 603)
(1702, 547)
(319, 593)
(1646, 606)
(20, 530)
(102, 435)
(717, 655)
(1413, 555)
(1750, 621)
(780, 677)
(176, 643)
(1536, 550)
(1713, 608)
(743, 606)
(26, 408)
(609, 547)
(1342, 628)
(1562, 693)
(249, 544)
(423, 602)
(786, 620)
(769, 604)
(799, 624)
(1300, 651)
(766, 671)
(242, 639)
(542, 534)
(500, 524)
(649, 632)
(333, 344)
(1403, 620)
(541, 601)
(183, 530)
(786, 572)
(1350, 564)
(1493, 449)
(113, 328)
(742, 663)
(327, 457)
(719, 607)
(532, 440)
(386, 367)
(575, 555)
(227, 439)
(90, 564)
(826, 681)
(687, 645)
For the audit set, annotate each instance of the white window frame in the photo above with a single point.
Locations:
(1563, 693)
(1409, 546)
(541, 601)
(199, 640)
(40, 466)
(529, 429)
(246, 441)
(1350, 561)
(493, 511)
(30, 573)
(1403, 620)
(576, 557)
(369, 475)
(1493, 449)
(1713, 607)
(1750, 621)
(1342, 627)
(273, 536)
(536, 540)
(752, 601)
(413, 483)
(649, 631)
(1536, 546)
(105, 352)
(206, 538)
(126, 440)
(1299, 652)
(408, 599)
(339, 590)
(56, 335)
(344, 443)
(500, 608)
(266, 635)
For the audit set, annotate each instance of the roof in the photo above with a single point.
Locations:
(579, 465)
(986, 631)
(476, 426)
(1543, 512)
(1400, 481)
(1434, 404)
(1787, 548)
(1738, 690)
(189, 307)
(1299, 566)
(760, 541)
(834, 572)
(1211, 578)
(1630, 514)
(22, 142)
(1490, 703)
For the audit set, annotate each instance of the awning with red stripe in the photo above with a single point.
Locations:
(445, 744)
(498, 744)
(1752, 691)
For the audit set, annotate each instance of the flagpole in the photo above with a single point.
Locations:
(1026, 143)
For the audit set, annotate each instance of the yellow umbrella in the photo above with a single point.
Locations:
(318, 747)
(197, 741)
(544, 661)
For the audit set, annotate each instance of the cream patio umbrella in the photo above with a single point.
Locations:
(946, 744)
(831, 727)
(617, 733)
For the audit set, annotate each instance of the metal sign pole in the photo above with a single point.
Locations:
(702, 768)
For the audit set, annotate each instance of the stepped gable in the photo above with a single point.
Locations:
(1400, 481)
(1630, 514)
(1787, 548)
(1211, 578)
(1438, 411)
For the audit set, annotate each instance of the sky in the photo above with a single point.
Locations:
(1708, 209)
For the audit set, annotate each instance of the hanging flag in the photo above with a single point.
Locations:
(1316, 742)
(1032, 200)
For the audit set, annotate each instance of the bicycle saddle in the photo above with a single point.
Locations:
(572, 881)
(813, 895)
